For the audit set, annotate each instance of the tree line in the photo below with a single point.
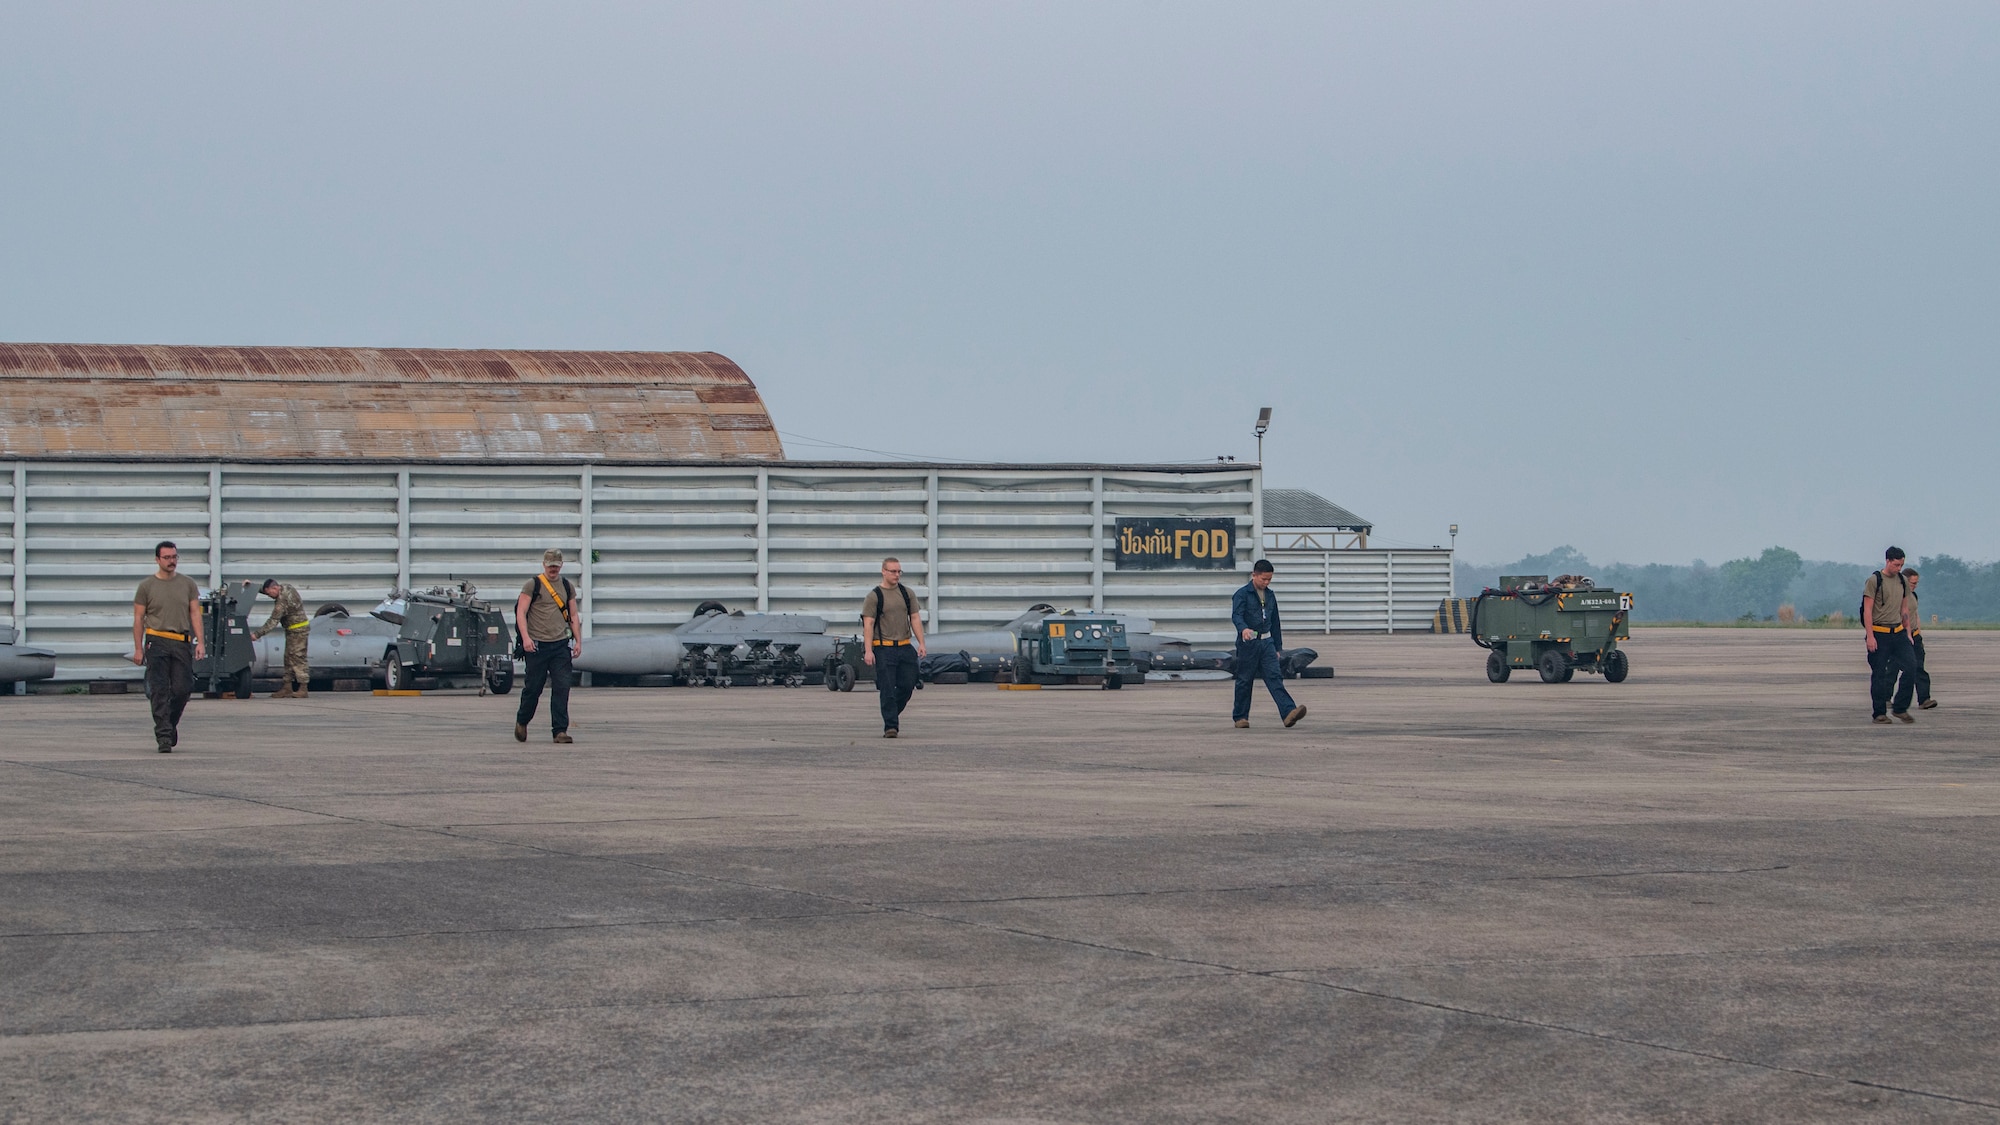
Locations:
(1755, 588)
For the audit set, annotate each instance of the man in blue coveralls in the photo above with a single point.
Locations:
(1259, 636)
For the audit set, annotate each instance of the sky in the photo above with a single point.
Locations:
(1658, 281)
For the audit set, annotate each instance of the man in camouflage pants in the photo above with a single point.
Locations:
(288, 614)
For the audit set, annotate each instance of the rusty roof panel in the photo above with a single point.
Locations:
(117, 401)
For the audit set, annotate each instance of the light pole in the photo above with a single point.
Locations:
(1453, 580)
(1263, 423)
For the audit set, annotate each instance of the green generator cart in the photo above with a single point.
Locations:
(1557, 628)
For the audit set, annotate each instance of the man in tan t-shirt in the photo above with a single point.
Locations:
(166, 641)
(1925, 702)
(892, 636)
(551, 637)
(1886, 621)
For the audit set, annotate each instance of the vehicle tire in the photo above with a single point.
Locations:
(1569, 673)
(1114, 682)
(705, 607)
(243, 684)
(1617, 666)
(845, 673)
(1553, 665)
(500, 680)
(395, 677)
(1496, 667)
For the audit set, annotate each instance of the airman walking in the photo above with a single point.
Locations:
(1886, 611)
(1260, 637)
(1925, 701)
(893, 632)
(551, 633)
(166, 641)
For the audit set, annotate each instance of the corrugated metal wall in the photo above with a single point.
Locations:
(1369, 591)
(978, 544)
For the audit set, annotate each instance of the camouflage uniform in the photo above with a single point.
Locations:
(289, 614)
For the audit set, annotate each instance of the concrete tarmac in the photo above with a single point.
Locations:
(1714, 892)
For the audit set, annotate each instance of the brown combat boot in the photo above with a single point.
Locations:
(284, 690)
(300, 691)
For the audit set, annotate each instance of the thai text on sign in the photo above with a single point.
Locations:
(1175, 543)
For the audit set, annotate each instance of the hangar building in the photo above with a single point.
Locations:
(354, 470)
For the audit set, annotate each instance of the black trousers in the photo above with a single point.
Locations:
(1923, 674)
(548, 664)
(169, 682)
(1893, 656)
(1258, 660)
(895, 681)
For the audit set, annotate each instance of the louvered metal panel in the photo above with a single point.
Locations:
(827, 531)
(647, 543)
(88, 534)
(667, 540)
(336, 538)
(489, 526)
(1370, 591)
(15, 481)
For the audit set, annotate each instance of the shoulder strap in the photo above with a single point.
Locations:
(909, 603)
(1878, 587)
(561, 605)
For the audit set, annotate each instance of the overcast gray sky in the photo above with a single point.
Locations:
(1661, 281)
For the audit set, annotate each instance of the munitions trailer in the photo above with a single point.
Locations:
(447, 630)
(231, 654)
(1557, 628)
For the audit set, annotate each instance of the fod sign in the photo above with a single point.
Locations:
(1176, 544)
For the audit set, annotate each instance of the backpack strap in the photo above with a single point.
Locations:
(881, 599)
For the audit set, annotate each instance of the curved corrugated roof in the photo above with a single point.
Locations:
(99, 400)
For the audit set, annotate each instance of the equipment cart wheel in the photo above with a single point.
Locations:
(1616, 666)
(395, 677)
(844, 673)
(1113, 682)
(1496, 667)
(1553, 666)
(500, 677)
(243, 684)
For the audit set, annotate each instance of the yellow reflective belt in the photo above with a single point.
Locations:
(300, 625)
(183, 637)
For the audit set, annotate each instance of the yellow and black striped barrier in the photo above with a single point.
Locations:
(1454, 615)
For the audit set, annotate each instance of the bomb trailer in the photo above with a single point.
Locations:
(443, 631)
(1557, 628)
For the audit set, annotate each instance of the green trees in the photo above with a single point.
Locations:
(1953, 589)
(1756, 587)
